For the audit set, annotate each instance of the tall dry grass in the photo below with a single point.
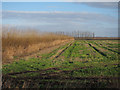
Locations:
(18, 42)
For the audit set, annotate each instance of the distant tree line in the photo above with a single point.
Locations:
(78, 34)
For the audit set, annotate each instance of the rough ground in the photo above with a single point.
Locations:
(77, 64)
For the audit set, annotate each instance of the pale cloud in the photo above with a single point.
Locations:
(58, 15)
(63, 21)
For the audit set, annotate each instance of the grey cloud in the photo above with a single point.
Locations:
(63, 21)
(108, 5)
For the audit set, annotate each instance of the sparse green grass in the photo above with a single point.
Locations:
(78, 60)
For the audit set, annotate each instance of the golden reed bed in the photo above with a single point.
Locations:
(18, 42)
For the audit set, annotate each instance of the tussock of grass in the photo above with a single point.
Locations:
(17, 41)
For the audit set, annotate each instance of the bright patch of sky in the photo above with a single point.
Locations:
(56, 6)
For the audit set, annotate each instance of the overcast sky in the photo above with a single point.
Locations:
(98, 17)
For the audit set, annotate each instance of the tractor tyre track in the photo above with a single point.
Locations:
(61, 51)
(55, 68)
(107, 48)
(103, 54)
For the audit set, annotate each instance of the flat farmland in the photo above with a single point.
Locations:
(77, 64)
